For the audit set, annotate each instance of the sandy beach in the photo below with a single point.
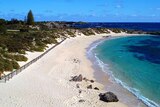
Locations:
(46, 82)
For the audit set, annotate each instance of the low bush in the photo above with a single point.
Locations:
(116, 30)
(15, 57)
(87, 31)
(7, 65)
(38, 49)
(3, 29)
(21, 51)
(20, 58)
(9, 56)
(24, 30)
(15, 65)
(1, 66)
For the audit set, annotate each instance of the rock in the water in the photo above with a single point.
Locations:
(108, 97)
(89, 87)
(96, 88)
(77, 78)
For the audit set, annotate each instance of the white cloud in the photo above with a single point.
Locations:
(153, 15)
(158, 8)
(118, 6)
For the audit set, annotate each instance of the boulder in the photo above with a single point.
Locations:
(77, 85)
(92, 81)
(81, 101)
(89, 87)
(96, 88)
(80, 91)
(77, 78)
(85, 79)
(108, 97)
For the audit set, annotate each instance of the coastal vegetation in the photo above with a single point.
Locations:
(14, 44)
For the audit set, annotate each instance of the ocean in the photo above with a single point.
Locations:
(133, 62)
(148, 27)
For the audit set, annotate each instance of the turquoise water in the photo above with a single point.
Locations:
(135, 63)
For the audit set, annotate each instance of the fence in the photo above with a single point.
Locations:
(13, 73)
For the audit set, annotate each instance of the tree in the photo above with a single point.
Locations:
(2, 21)
(15, 21)
(3, 28)
(30, 18)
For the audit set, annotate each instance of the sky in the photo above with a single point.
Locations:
(83, 10)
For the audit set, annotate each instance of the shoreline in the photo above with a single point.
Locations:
(108, 81)
(47, 83)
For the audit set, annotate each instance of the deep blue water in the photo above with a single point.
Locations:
(133, 26)
(135, 62)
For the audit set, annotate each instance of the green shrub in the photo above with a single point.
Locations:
(39, 49)
(3, 29)
(15, 65)
(7, 65)
(21, 51)
(24, 30)
(116, 30)
(87, 32)
(70, 33)
(2, 51)
(2, 22)
(1, 66)
(50, 41)
(9, 56)
(20, 58)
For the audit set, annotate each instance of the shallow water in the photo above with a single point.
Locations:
(134, 62)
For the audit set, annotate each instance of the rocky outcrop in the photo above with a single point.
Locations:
(108, 97)
(89, 87)
(85, 79)
(81, 101)
(96, 88)
(77, 78)
(92, 81)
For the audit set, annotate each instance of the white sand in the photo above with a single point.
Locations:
(46, 82)
(33, 55)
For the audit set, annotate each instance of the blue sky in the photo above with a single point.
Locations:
(83, 10)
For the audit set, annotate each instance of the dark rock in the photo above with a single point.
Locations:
(81, 101)
(80, 91)
(89, 87)
(77, 85)
(96, 88)
(77, 78)
(76, 60)
(85, 79)
(108, 97)
(92, 81)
